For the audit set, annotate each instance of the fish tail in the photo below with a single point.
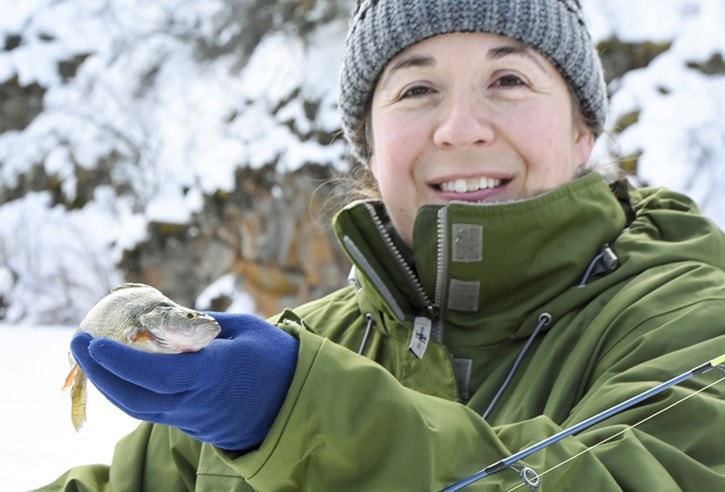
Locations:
(78, 397)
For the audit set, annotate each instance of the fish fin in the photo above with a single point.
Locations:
(129, 285)
(70, 377)
(140, 335)
(78, 397)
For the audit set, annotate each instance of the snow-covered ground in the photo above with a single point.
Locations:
(38, 442)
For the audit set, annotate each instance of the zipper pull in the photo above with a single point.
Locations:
(421, 336)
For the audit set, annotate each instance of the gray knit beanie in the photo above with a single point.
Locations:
(380, 29)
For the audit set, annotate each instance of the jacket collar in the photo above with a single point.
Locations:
(482, 265)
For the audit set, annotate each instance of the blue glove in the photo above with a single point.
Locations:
(227, 394)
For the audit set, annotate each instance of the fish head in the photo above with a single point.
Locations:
(172, 328)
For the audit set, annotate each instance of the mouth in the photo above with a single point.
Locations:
(474, 189)
(469, 185)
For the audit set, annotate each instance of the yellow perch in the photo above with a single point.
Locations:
(142, 317)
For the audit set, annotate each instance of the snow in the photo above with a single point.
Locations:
(226, 286)
(74, 273)
(680, 132)
(38, 441)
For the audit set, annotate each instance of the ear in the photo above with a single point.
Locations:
(584, 141)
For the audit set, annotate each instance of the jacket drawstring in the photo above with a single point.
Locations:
(605, 262)
(371, 322)
(544, 320)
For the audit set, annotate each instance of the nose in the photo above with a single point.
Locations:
(464, 123)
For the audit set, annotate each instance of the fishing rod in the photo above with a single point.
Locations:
(530, 477)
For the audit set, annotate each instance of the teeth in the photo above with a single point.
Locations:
(468, 185)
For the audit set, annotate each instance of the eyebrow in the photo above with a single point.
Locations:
(514, 49)
(413, 61)
(407, 62)
(496, 53)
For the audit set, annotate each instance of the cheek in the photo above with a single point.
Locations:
(549, 137)
(392, 151)
(389, 177)
(548, 144)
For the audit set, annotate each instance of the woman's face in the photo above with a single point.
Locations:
(471, 117)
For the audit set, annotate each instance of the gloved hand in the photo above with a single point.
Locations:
(227, 394)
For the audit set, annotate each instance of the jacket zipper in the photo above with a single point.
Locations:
(429, 324)
(441, 270)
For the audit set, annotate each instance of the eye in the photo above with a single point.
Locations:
(418, 90)
(190, 315)
(509, 80)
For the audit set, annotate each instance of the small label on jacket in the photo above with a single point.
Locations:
(421, 336)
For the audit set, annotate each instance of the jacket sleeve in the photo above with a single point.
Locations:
(365, 431)
(348, 424)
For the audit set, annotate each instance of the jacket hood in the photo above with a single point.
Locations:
(487, 271)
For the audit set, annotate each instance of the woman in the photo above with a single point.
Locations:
(500, 293)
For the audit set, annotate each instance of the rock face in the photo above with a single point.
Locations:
(272, 233)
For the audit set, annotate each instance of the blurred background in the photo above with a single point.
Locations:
(195, 146)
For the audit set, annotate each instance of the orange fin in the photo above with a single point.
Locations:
(70, 377)
(142, 335)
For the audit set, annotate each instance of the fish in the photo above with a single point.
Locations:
(141, 317)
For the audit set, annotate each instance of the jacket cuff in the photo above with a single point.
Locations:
(250, 463)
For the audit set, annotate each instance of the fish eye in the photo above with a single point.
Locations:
(190, 315)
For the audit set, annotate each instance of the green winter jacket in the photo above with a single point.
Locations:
(596, 304)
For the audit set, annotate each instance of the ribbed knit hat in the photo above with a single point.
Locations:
(380, 29)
